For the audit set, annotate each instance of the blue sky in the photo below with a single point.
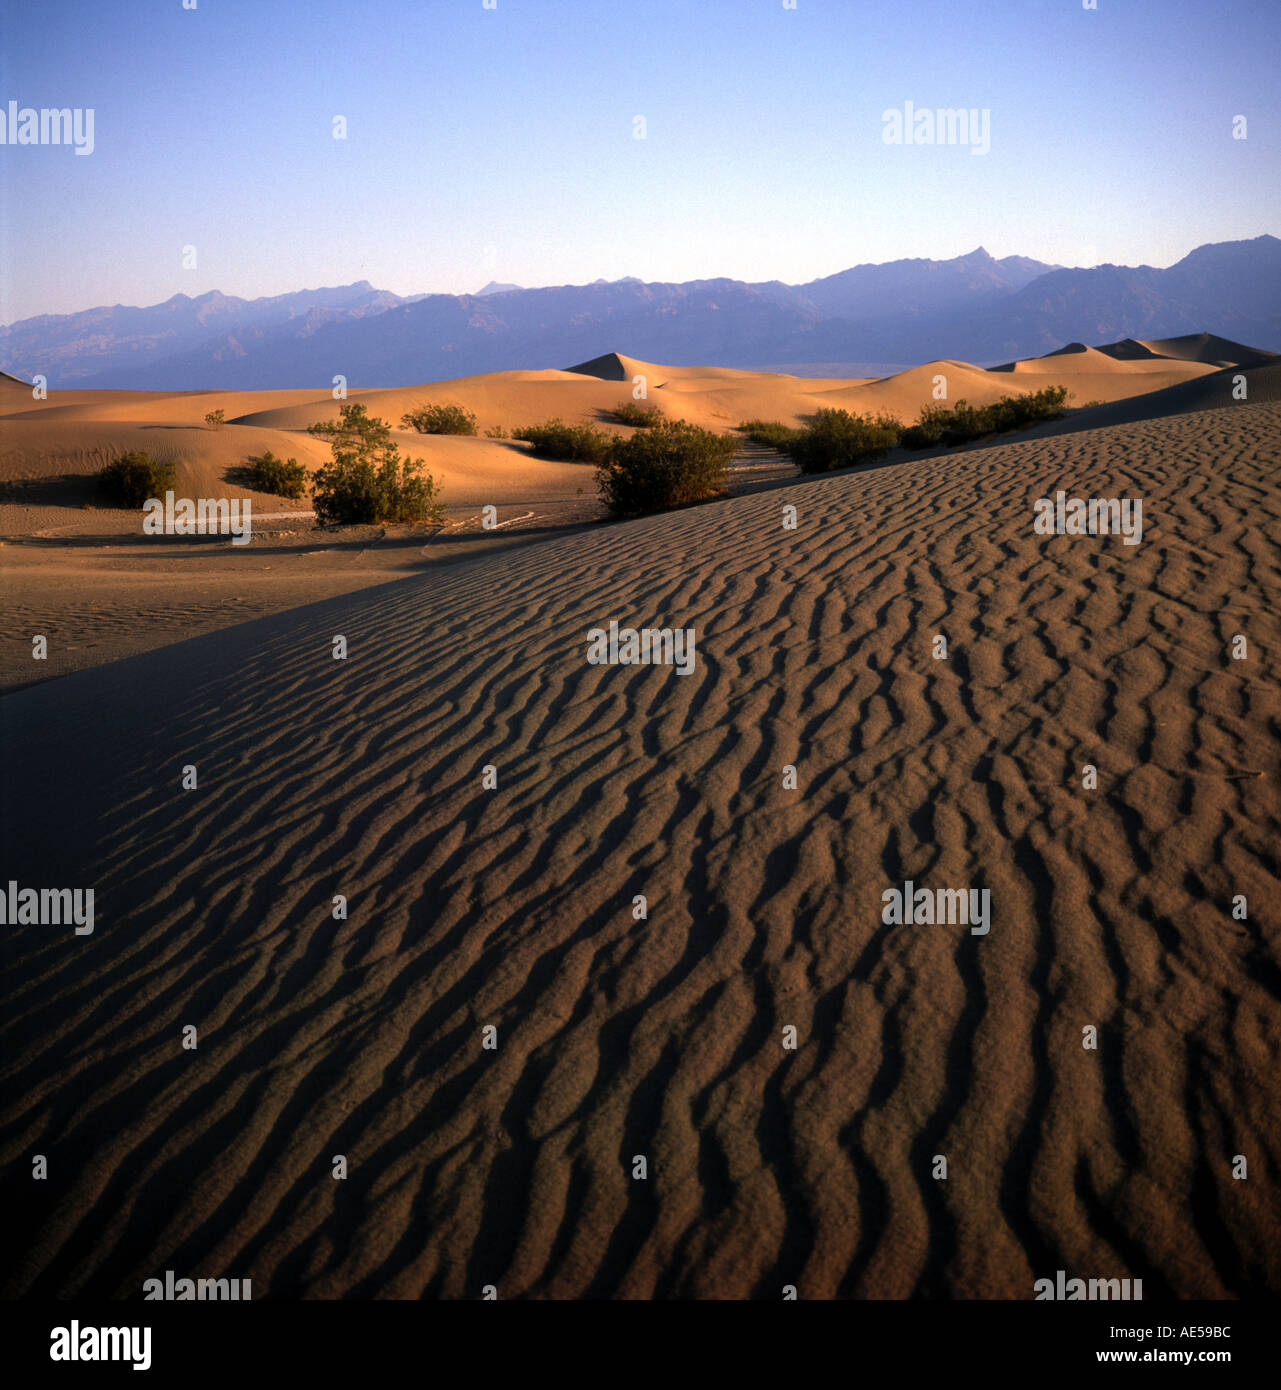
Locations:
(498, 144)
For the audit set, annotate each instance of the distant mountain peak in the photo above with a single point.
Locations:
(970, 307)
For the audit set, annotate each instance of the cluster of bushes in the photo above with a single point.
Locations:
(216, 418)
(773, 433)
(643, 417)
(281, 477)
(669, 464)
(440, 419)
(132, 479)
(839, 439)
(569, 443)
(368, 480)
(963, 422)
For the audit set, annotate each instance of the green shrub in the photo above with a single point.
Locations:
(773, 433)
(215, 419)
(440, 419)
(281, 477)
(644, 417)
(1009, 413)
(569, 443)
(837, 439)
(1035, 406)
(969, 422)
(670, 464)
(928, 430)
(368, 481)
(495, 432)
(132, 479)
(963, 422)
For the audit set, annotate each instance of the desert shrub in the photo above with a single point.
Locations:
(570, 443)
(644, 417)
(281, 477)
(928, 430)
(1035, 406)
(773, 433)
(495, 432)
(440, 419)
(964, 422)
(368, 480)
(670, 464)
(1009, 413)
(215, 419)
(132, 479)
(838, 439)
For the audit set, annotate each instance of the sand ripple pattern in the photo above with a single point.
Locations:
(663, 1037)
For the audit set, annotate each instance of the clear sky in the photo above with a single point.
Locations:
(498, 143)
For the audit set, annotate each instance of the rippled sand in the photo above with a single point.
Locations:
(664, 1037)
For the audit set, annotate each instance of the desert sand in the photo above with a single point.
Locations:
(83, 576)
(663, 1037)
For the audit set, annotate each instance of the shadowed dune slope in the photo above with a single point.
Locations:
(1209, 347)
(663, 1037)
(1210, 392)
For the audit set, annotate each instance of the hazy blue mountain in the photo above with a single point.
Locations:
(127, 346)
(973, 307)
(918, 286)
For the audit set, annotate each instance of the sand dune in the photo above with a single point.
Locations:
(719, 397)
(163, 407)
(1209, 347)
(904, 394)
(47, 460)
(83, 573)
(40, 449)
(617, 367)
(663, 1037)
(45, 446)
(1211, 391)
(1093, 374)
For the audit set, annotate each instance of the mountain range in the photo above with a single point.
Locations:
(973, 307)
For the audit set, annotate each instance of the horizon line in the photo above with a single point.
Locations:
(622, 279)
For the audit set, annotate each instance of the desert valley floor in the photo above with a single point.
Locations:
(513, 907)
